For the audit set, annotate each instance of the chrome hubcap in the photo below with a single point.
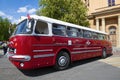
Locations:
(62, 61)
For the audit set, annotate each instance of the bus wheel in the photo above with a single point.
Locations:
(62, 60)
(104, 54)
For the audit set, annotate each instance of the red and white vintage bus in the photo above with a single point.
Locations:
(40, 41)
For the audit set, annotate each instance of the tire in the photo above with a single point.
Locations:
(62, 61)
(104, 54)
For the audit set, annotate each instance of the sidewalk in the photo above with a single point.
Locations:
(114, 60)
(116, 51)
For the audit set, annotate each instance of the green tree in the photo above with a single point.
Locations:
(73, 11)
(12, 28)
(5, 25)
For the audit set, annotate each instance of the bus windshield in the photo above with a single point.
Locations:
(25, 27)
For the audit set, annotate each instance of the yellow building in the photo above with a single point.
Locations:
(104, 15)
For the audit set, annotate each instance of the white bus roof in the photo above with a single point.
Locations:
(51, 20)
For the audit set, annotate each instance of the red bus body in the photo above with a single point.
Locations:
(33, 51)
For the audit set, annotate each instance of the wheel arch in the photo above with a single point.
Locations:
(62, 49)
(66, 50)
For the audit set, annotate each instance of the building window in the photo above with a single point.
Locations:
(111, 2)
(112, 30)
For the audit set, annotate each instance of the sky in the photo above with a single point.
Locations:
(14, 9)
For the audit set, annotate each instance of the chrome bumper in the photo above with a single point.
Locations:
(21, 58)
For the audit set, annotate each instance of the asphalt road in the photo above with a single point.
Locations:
(90, 69)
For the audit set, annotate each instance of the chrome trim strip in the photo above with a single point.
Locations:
(20, 57)
(42, 45)
(56, 44)
(31, 35)
(86, 48)
(45, 50)
(43, 55)
(78, 52)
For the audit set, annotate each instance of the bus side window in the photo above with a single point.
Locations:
(58, 30)
(101, 37)
(104, 37)
(71, 32)
(87, 34)
(80, 33)
(108, 37)
(94, 35)
(41, 28)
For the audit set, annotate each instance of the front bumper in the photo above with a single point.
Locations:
(20, 58)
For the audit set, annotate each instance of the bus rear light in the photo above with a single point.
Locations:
(21, 58)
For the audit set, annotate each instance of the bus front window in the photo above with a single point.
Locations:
(25, 27)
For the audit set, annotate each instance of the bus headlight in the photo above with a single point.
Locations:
(12, 50)
(15, 51)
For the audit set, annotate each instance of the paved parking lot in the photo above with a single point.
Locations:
(90, 69)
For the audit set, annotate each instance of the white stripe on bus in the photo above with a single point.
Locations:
(87, 48)
(45, 50)
(43, 55)
(78, 52)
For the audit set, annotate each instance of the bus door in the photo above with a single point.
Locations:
(42, 44)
